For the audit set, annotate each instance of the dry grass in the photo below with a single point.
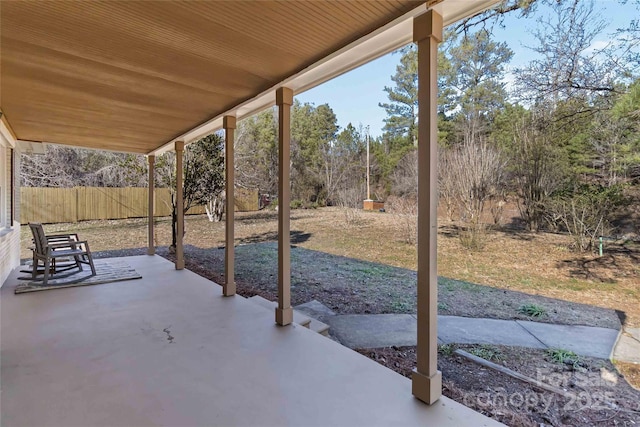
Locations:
(533, 263)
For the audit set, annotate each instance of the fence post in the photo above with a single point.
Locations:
(76, 191)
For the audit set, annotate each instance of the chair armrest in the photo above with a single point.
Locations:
(68, 244)
(53, 237)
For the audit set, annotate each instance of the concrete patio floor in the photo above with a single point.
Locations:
(169, 350)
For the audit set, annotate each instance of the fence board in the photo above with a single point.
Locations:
(51, 205)
(163, 202)
(48, 205)
(246, 200)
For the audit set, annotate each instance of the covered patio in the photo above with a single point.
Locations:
(148, 77)
(169, 349)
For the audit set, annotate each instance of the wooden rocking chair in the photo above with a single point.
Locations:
(49, 248)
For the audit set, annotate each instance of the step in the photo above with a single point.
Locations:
(298, 318)
(319, 327)
(318, 313)
(315, 309)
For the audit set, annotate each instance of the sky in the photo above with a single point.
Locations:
(354, 96)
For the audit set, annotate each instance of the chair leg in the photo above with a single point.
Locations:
(78, 262)
(46, 271)
(90, 259)
(34, 265)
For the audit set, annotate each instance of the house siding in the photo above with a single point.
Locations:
(9, 251)
(16, 187)
(9, 232)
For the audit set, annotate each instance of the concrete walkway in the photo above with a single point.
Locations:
(628, 346)
(384, 330)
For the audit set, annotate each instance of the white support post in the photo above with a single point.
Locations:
(151, 249)
(229, 287)
(284, 312)
(179, 205)
(426, 379)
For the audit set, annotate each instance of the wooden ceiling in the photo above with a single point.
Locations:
(132, 75)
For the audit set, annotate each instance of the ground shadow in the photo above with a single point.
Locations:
(261, 216)
(449, 230)
(117, 253)
(603, 269)
(589, 269)
(518, 234)
(296, 237)
(351, 286)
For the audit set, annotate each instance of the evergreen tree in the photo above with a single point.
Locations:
(475, 82)
(313, 131)
(402, 108)
(257, 152)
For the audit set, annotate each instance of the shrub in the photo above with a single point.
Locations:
(352, 216)
(473, 237)
(568, 357)
(532, 310)
(405, 215)
(487, 352)
(584, 212)
(446, 349)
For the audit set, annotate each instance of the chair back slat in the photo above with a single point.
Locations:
(39, 238)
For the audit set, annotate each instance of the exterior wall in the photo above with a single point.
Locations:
(9, 251)
(9, 231)
(16, 187)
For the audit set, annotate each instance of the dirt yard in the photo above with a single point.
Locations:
(352, 286)
(533, 264)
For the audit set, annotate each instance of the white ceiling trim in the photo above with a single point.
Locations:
(6, 133)
(386, 39)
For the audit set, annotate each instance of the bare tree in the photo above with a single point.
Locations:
(405, 214)
(62, 166)
(446, 181)
(536, 168)
(477, 174)
(566, 64)
(405, 176)
(584, 212)
(48, 170)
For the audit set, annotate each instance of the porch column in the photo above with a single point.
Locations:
(426, 379)
(284, 100)
(179, 206)
(151, 250)
(229, 287)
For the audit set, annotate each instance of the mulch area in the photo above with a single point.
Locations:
(601, 396)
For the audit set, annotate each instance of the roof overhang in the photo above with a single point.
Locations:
(138, 76)
(389, 38)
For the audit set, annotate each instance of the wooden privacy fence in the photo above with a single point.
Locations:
(52, 205)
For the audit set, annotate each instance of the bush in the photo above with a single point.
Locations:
(584, 211)
(487, 352)
(352, 216)
(405, 215)
(567, 357)
(532, 310)
(474, 237)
